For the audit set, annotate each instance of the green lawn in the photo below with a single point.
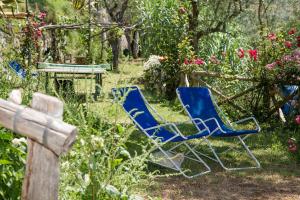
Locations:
(277, 179)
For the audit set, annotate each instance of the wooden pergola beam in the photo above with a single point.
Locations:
(20, 15)
(239, 94)
(223, 96)
(222, 76)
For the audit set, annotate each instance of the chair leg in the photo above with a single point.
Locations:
(237, 168)
(179, 168)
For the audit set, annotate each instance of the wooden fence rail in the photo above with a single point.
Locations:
(48, 138)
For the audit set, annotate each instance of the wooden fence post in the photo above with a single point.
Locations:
(48, 137)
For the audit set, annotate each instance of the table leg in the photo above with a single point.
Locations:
(98, 82)
(47, 83)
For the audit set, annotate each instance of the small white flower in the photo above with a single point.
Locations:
(19, 141)
(152, 61)
(97, 142)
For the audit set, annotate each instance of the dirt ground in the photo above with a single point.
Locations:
(229, 186)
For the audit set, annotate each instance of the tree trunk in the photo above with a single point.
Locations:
(193, 25)
(54, 48)
(135, 45)
(115, 45)
(128, 39)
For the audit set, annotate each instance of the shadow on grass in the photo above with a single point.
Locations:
(279, 177)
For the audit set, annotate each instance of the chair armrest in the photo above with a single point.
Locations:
(206, 127)
(248, 119)
(194, 121)
(217, 123)
(174, 128)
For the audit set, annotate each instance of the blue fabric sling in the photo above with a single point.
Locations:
(135, 105)
(198, 103)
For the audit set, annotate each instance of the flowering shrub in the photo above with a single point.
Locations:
(190, 65)
(32, 32)
(280, 56)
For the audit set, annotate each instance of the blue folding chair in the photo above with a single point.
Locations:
(14, 65)
(288, 108)
(200, 106)
(138, 109)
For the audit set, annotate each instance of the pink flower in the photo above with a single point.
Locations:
(42, 15)
(288, 44)
(296, 53)
(271, 66)
(292, 31)
(241, 53)
(272, 36)
(199, 61)
(253, 54)
(297, 119)
(287, 58)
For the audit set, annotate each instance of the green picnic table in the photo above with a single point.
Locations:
(63, 71)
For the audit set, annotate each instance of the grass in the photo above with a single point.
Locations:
(278, 178)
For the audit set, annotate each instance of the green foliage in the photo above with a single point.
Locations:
(12, 165)
(100, 165)
(163, 27)
(12, 150)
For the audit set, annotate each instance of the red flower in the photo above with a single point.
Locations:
(39, 32)
(186, 61)
(288, 44)
(271, 66)
(199, 61)
(241, 53)
(292, 31)
(272, 36)
(292, 145)
(297, 119)
(279, 63)
(253, 54)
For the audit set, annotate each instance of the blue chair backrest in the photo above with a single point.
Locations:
(198, 103)
(17, 68)
(134, 104)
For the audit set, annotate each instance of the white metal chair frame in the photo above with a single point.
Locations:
(177, 132)
(241, 139)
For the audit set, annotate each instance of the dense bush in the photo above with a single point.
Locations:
(101, 165)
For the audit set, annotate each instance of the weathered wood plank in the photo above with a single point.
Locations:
(42, 173)
(53, 133)
(48, 105)
(42, 167)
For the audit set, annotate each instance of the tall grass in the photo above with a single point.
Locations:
(104, 162)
